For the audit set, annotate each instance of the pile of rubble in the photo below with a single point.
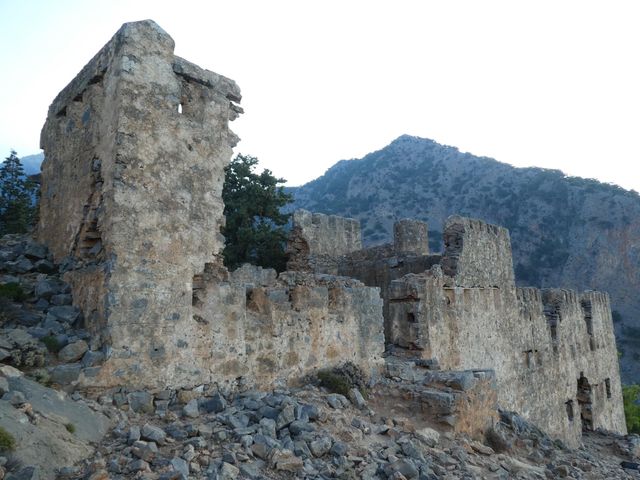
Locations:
(39, 326)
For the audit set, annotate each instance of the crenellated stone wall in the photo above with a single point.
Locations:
(553, 351)
(376, 266)
(135, 149)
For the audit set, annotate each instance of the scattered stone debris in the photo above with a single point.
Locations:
(39, 326)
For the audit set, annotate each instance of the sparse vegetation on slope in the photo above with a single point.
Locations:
(7, 442)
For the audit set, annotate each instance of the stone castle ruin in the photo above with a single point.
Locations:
(553, 351)
(136, 147)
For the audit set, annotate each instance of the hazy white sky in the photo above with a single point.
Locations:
(553, 84)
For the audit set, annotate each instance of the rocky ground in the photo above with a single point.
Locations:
(304, 432)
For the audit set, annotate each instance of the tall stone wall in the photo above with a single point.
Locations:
(135, 149)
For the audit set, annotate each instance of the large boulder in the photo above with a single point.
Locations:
(73, 352)
(48, 444)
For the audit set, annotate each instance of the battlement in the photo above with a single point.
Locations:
(411, 237)
(462, 311)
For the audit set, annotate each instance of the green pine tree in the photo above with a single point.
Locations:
(254, 228)
(16, 197)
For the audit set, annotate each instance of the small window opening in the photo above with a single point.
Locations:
(180, 108)
(569, 407)
(530, 358)
(411, 318)
(607, 386)
(554, 337)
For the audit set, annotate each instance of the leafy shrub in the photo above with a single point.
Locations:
(7, 442)
(41, 375)
(343, 378)
(52, 343)
(12, 291)
(631, 401)
(71, 428)
(333, 382)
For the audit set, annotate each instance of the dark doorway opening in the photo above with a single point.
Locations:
(584, 397)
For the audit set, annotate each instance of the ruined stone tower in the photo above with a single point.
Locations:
(135, 149)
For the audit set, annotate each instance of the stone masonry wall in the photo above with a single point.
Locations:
(339, 251)
(135, 149)
(411, 237)
(553, 351)
(541, 344)
(271, 330)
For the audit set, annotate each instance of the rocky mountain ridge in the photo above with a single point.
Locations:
(566, 232)
(31, 163)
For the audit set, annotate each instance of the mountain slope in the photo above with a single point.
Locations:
(566, 232)
(31, 163)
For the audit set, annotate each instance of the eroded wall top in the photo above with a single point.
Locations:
(477, 254)
(328, 234)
